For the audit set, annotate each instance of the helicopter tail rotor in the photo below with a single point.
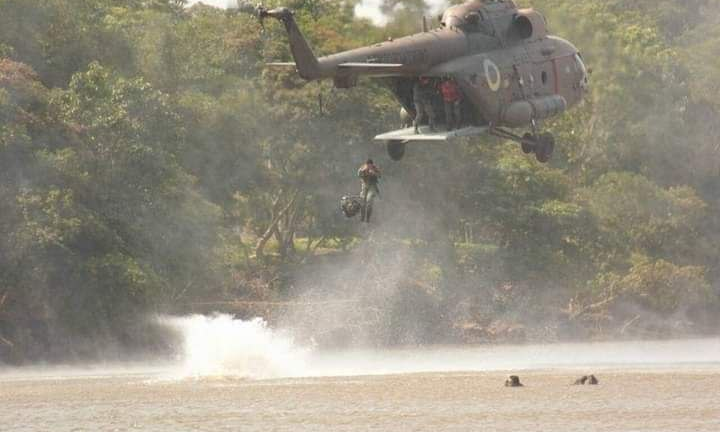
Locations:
(307, 64)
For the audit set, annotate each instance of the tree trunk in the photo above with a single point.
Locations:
(277, 216)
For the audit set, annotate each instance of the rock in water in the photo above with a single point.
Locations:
(581, 381)
(513, 381)
(586, 379)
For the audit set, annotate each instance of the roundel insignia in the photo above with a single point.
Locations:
(492, 74)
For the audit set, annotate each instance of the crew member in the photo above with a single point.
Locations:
(423, 92)
(452, 97)
(370, 176)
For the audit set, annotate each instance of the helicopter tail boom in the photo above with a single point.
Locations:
(305, 61)
(408, 56)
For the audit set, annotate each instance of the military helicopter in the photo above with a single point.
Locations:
(511, 72)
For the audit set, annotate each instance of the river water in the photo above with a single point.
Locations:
(241, 376)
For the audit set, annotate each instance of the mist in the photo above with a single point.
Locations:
(224, 347)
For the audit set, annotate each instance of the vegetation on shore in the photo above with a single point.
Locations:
(149, 164)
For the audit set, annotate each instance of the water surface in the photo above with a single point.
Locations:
(242, 376)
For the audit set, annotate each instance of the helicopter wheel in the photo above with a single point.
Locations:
(527, 143)
(545, 147)
(396, 150)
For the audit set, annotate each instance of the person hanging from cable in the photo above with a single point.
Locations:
(369, 175)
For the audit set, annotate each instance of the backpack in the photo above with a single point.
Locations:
(351, 205)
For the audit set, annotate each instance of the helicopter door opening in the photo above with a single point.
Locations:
(402, 88)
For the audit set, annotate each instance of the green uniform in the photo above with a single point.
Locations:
(370, 176)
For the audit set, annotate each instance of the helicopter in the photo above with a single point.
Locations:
(510, 71)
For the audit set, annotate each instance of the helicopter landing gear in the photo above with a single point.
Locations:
(543, 144)
(396, 150)
(527, 143)
(544, 147)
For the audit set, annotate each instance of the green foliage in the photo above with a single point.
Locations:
(6, 50)
(659, 286)
(636, 215)
(664, 287)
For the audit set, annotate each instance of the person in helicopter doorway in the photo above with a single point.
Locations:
(423, 93)
(452, 98)
(369, 174)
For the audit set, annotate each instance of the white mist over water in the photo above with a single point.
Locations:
(221, 345)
